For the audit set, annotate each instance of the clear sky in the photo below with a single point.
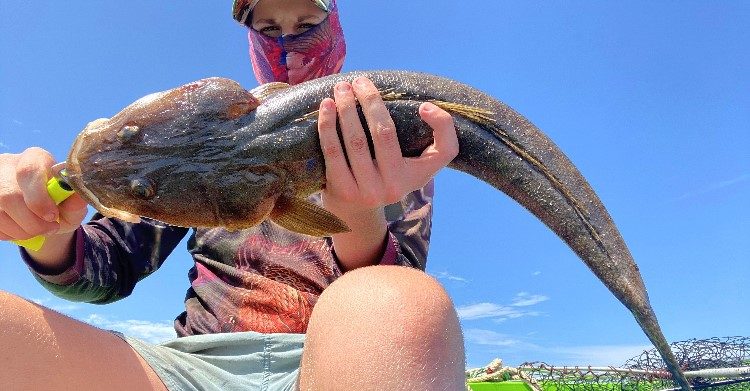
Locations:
(651, 100)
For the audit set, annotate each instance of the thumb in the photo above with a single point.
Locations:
(445, 145)
(72, 212)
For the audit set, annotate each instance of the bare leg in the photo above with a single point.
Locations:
(45, 350)
(383, 328)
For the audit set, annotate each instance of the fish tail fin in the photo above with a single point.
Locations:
(546, 182)
(646, 318)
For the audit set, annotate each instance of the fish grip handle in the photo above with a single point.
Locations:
(59, 190)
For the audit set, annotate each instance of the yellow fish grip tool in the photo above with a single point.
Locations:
(59, 190)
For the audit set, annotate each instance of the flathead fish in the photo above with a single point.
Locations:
(210, 153)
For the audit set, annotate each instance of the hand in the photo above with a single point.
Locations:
(26, 209)
(358, 191)
(366, 184)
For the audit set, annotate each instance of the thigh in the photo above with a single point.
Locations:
(45, 350)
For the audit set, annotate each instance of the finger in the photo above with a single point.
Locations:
(73, 203)
(72, 211)
(10, 230)
(355, 141)
(445, 146)
(32, 174)
(337, 169)
(383, 130)
(26, 221)
(10, 226)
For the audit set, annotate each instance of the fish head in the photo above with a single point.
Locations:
(153, 159)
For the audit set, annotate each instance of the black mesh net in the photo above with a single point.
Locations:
(717, 364)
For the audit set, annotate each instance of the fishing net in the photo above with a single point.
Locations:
(716, 364)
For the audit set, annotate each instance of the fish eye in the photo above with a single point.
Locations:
(142, 188)
(127, 132)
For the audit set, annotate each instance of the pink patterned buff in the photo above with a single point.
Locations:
(293, 59)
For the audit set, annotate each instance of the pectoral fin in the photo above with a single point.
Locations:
(302, 216)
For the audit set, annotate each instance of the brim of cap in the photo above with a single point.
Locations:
(242, 9)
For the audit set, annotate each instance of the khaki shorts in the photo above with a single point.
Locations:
(226, 361)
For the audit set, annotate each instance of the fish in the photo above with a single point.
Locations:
(210, 153)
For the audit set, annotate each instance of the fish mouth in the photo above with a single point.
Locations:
(75, 175)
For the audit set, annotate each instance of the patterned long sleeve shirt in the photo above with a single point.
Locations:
(263, 279)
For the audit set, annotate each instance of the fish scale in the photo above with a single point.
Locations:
(265, 159)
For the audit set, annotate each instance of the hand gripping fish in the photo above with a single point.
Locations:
(210, 153)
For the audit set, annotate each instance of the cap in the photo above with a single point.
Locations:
(242, 9)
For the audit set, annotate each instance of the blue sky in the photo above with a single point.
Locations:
(651, 100)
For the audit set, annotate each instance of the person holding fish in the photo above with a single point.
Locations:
(267, 308)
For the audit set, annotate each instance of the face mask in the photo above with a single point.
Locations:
(293, 59)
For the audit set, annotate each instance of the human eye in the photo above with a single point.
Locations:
(302, 27)
(270, 31)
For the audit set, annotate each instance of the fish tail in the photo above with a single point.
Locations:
(650, 325)
(505, 150)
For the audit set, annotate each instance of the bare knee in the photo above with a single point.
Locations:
(21, 319)
(385, 320)
(15, 312)
(404, 297)
(7, 299)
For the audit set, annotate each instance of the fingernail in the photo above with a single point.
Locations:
(428, 107)
(51, 217)
(361, 81)
(326, 105)
(343, 87)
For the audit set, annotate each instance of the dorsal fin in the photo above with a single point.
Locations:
(263, 91)
(476, 114)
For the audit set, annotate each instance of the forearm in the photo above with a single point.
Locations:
(57, 253)
(107, 258)
(64, 274)
(364, 244)
(358, 179)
